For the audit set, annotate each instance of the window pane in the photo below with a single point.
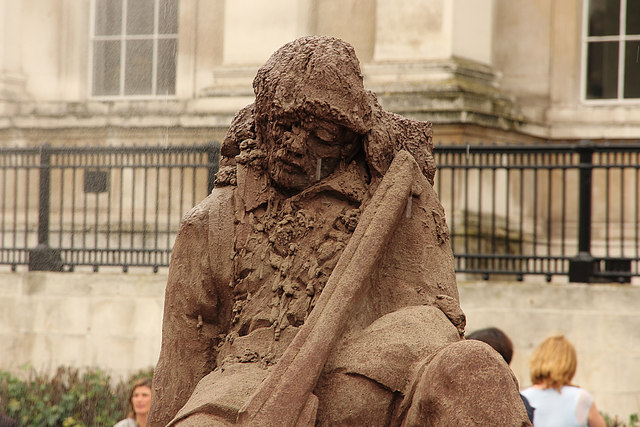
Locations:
(139, 57)
(633, 17)
(166, 67)
(106, 68)
(140, 17)
(602, 70)
(108, 17)
(632, 70)
(604, 17)
(168, 17)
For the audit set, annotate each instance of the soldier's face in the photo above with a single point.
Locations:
(304, 153)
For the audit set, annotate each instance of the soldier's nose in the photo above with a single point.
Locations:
(297, 141)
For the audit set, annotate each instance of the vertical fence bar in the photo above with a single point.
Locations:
(170, 160)
(636, 208)
(478, 158)
(85, 208)
(109, 159)
(74, 175)
(145, 193)
(607, 210)
(15, 206)
(507, 234)
(124, 157)
(452, 185)
(549, 210)
(584, 201)
(194, 159)
(564, 206)
(97, 258)
(622, 188)
(133, 202)
(3, 205)
(43, 258)
(534, 203)
(157, 213)
(582, 268)
(466, 204)
(27, 186)
(63, 166)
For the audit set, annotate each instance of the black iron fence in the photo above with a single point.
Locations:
(100, 206)
(552, 209)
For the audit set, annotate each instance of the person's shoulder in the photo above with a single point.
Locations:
(200, 212)
(582, 395)
(127, 422)
(575, 391)
(535, 394)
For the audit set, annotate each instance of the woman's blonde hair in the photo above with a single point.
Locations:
(553, 363)
(141, 382)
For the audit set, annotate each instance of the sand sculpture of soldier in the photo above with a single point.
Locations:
(315, 285)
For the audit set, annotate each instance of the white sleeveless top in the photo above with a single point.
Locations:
(567, 408)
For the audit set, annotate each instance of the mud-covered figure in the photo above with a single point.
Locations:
(315, 285)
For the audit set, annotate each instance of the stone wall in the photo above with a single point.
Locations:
(113, 321)
(602, 321)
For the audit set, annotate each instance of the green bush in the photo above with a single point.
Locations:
(70, 398)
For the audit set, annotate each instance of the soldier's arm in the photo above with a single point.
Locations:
(196, 309)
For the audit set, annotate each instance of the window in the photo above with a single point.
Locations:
(612, 49)
(134, 45)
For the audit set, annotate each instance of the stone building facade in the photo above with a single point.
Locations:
(168, 71)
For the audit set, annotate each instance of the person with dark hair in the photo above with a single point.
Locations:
(496, 339)
(139, 404)
(501, 343)
(557, 402)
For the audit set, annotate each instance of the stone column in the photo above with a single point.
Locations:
(12, 78)
(252, 31)
(434, 32)
(413, 30)
(433, 60)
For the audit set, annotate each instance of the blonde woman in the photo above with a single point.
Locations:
(139, 404)
(556, 402)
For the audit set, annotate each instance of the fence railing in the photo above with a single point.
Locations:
(552, 209)
(99, 206)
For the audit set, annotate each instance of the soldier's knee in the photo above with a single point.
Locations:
(466, 383)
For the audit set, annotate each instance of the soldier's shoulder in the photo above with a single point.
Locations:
(217, 198)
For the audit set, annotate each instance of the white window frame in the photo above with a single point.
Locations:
(123, 38)
(621, 38)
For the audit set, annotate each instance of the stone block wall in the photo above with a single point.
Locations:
(105, 320)
(113, 321)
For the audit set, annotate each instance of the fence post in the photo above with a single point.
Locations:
(42, 257)
(583, 268)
